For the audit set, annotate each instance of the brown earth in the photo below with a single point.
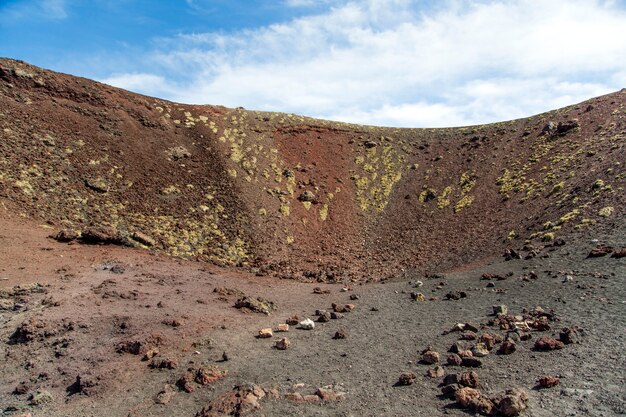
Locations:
(204, 204)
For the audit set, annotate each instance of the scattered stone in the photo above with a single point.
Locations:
(329, 393)
(207, 375)
(455, 295)
(83, 384)
(436, 372)
(507, 347)
(548, 343)
(225, 357)
(324, 317)
(430, 357)
(340, 334)
(307, 196)
(513, 402)
(41, 397)
(293, 321)
(490, 340)
(163, 363)
(336, 316)
(258, 305)
(307, 324)
(406, 378)
(569, 335)
(449, 391)
(511, 254)
(454, 360)
(282, 327)
(458, 346)
(22, 388)
(418, 296)
(500, 309)
(619, 253)
(600, 251)
(265, 333)
(151, 353)
(471, 362)
(165, 395)
(348, 308)
(354, 297)
(451, 379)
(469, 379)
(318, 290)
(468, 335)
(283, 344)
(465, 396)
(480, 350)
(185, 382)
(548, 381)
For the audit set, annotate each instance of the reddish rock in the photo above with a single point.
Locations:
(454, 360)
(282, 327)
(489, 340)
(340, 334)
(185, 382)
(294, 396)
(436, 372)
(265, 333)
(507, 347)
(163, 363)
(207, 375)
(469, 379)
(406, 378)
(329, 394)
(483, 405)
(548, 381)
(548, 343)
(430, 357)
(283, 344)
(293, 321)
(513, 402)
(165, 395)
(619, 253)
(465, 354)
(569, 335)
(468, 335)
(465, 395)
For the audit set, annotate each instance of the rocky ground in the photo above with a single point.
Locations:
(98, 330)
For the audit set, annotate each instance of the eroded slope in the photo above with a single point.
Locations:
(295, 196)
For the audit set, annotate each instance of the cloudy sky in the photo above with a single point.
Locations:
(410, 63)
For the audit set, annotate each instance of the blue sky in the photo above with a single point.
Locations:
(387, 62)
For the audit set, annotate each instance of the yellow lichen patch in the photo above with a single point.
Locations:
(466, 183)
(324, 212)
(232, 172)
(380, 172)
(172, 189)
(547, 237)
(606, 211)
(569, 216)
(512, 235)
(585, 223)
(307, 204)
(443, 199)
(262, 212)
(290, 240)
(465, 201)
(285, 210)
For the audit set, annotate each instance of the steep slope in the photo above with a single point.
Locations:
(300, 197)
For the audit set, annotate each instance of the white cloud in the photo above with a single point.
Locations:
(388, 62)
(154, 84)
(43, 9)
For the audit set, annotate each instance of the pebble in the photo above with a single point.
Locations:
(283, 344)
(265, 333)
(307, 324)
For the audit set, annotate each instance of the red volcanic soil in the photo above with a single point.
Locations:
(132, 227)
